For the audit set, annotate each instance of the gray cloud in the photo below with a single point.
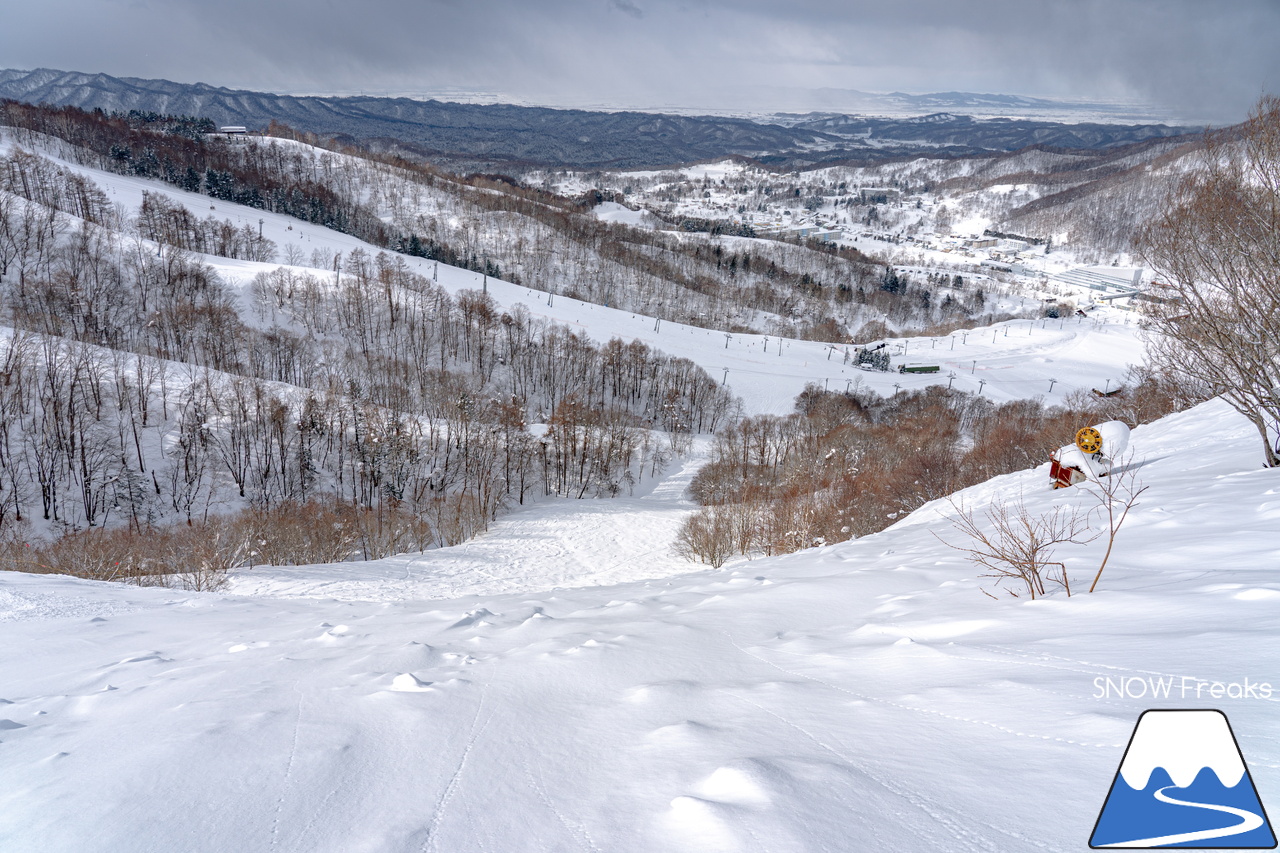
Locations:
(629, 8)
(1194, 59)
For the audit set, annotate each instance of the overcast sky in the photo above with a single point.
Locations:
(1194, 59)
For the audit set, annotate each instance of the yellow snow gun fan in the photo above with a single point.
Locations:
(1090, 456)
(1089, 440)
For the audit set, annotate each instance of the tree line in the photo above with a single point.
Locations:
(848, 464)
(493, 225)
(138, 392)
(417, 394)
(272, 178)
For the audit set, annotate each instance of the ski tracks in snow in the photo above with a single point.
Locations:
(960, 827)
(957, 836)
(957, 832)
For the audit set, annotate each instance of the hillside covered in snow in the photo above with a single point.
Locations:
(868, 690)
(456, 457)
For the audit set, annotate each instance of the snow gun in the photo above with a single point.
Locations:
(1096, 447)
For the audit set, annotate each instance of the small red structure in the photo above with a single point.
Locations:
(1063, 476)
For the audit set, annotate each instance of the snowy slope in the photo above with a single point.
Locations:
(1011, 361)
(865, 696)
(564, 683)
(557, 542)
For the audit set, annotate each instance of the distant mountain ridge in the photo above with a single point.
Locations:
(475, 135)
(985, 135)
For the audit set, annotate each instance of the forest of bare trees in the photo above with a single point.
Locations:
(848, 464)
(1216, 244)
(141, 395)
(492, 224)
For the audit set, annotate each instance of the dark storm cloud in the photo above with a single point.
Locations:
(1196, 58)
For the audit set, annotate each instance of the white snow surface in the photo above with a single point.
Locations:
(611, 211)
(861, 696)
(557, 542)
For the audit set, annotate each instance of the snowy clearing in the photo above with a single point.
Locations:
(557, 542)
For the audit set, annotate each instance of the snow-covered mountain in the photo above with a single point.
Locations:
(565, 682)
(522, 136)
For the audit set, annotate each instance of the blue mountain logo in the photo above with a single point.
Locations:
(1183, 783)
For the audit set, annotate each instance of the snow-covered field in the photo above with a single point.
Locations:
(865, 696)
(563, 682)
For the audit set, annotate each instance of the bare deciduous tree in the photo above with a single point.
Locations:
(1217, 247)
(1117, 494)
(1013, 543)
(706, 536)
